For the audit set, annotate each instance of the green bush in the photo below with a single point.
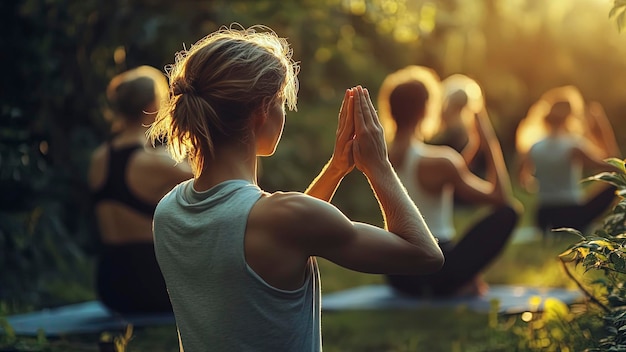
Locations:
(602, 255)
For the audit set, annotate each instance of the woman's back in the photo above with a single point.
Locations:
(436, 205)
(205, 262)
(128, 181)
(557, 171)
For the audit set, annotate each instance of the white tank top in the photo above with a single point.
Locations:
(437, 209)
(557, 175)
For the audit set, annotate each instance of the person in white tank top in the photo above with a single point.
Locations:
(558, 142)
(410, 110)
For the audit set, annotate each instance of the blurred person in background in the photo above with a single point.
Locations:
(558, 142)
(127, 177)
(410, 109)
(462, 100)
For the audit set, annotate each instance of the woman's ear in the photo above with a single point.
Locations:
(260, 114)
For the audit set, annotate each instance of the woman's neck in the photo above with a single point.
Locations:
(133, 134)
(557, 131)
(230, 163)
(405, 138)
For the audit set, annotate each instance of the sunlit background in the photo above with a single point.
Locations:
(58, 56)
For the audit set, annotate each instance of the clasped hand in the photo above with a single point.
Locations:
(360, 139)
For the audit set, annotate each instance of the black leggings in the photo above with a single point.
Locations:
(465, 259)
(576, 216)
(129, 279)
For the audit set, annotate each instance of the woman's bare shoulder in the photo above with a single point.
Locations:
(97, 166)
(294, 209)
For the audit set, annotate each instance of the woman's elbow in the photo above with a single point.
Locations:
(428, 262)
(435, 261)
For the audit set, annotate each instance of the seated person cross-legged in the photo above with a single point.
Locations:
(409, 109)
(128, 177)
(558, 142)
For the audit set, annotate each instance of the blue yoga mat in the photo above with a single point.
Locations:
(93, 317)
(511, 299)
(81, 318)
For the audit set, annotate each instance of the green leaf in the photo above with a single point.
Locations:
(618, 262)
(571, 255)
(600, 281)
(617, 162)
(590, 260)
(570, 231)
(609, 177)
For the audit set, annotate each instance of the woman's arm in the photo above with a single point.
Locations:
(451, 168)
(525, 173)
(341, 162)
(286, 229)
(601, 130)
(400, 214)
(405, 245)
(497, 172)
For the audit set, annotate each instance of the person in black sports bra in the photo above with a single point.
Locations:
(128, 177)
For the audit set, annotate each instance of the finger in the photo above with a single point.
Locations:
(343, 111)
(344, 103)
(370, 104)
(349, 126)
(363, 105)
(346, 123)
(359, 119)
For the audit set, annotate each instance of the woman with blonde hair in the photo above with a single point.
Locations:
(557, 142)
(127, 177)
(239, 262)
(409, 103)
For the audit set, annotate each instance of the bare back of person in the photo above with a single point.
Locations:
(150, 174)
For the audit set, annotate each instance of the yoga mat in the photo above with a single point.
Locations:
(512, 299)
(81, 318)
(93, 317)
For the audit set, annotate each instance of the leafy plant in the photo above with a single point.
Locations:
(604, 253)
(9, 341)
(110, 343)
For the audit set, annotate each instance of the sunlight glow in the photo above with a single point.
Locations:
(404, 20)
(322, 55)
(346, 35)
(534, 302)
(428, 15)
(405, 34)
(357, 7)
(527, 316)
(43, 147)
(119, 55)
(389, 6)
